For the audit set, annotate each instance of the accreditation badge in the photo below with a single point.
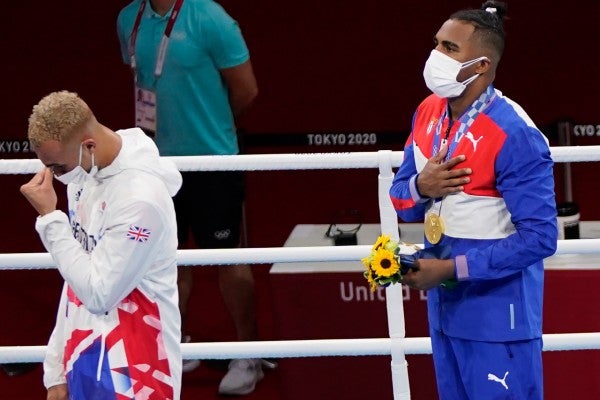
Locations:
(145, 110)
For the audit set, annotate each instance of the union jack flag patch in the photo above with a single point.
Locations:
(138, 234)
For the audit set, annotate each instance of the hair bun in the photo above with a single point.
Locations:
(495, 7)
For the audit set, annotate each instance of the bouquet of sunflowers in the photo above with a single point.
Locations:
(389, 260)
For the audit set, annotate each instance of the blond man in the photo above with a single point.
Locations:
(118, 328)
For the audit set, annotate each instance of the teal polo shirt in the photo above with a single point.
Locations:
(194, 116)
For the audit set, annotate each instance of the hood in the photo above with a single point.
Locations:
(139, 152)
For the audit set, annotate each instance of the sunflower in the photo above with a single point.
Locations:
(381, 241)
(369, 276)
(384, 264)
(367, 261)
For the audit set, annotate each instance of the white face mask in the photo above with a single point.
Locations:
(78, 174)
(441, 71)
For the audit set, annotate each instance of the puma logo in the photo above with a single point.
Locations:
(492, 377)
(469, 135)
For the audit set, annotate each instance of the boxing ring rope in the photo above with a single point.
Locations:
(301, 161)
(267, 255)
(397, 345)
(312, 348)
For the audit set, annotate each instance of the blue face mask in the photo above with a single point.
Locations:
(78, 174)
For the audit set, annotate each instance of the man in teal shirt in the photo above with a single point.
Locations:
(193, 79)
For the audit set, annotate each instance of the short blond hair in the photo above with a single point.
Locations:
(58, 116)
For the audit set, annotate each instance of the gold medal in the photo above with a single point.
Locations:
(434, 228)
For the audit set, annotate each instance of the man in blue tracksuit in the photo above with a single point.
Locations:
(479, 173)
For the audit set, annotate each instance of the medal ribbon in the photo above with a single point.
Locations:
(465, 121)
(162, 50)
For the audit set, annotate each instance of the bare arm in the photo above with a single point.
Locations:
(242, 87)
(58, 392)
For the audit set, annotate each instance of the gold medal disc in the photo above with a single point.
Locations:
(434, 228)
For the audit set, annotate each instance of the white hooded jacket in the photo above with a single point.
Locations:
(118, 325)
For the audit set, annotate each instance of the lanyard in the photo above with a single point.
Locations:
(465, 121)
(162, 50)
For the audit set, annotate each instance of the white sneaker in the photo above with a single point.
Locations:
(189, 365)
(242, 377)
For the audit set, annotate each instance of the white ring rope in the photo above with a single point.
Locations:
(268, 255)
(312, 348)
(301, 161)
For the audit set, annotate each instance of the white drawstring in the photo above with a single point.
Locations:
(101, 359)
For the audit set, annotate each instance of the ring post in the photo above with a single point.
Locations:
(393, 293)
